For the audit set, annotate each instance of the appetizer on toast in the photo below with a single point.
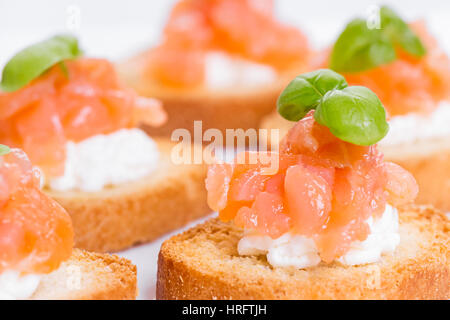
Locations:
(36, 240)
(218, 59)
(410, 73)
(79, 126)
(334, 221)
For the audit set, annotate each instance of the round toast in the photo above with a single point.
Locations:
(203, 263)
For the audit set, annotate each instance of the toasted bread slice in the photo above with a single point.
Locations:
(90, 276)
(136, 212)
(229, 108)
(428, 161)
(203, 263)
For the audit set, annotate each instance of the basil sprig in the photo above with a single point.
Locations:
(32, 61)
(4, 150)
(359, 48)
(353, 114)
(305, 92)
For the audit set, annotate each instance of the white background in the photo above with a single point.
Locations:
(117, 29)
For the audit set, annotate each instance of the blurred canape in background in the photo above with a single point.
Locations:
(222, 62)
(411, 75)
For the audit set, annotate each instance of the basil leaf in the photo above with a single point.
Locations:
(4, 150)
(32, 61)
(305, 92)
(359, 48)
(400, 33)
(353, 114)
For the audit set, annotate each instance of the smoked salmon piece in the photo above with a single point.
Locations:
(309, 203)
(309, 138)
(35, 232)
(400, 184)
(325, 189)
(243, 28)
(266, 215)
(218, 181)
(57, 107)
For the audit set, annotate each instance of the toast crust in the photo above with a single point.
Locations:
(229, 108)
(203, 263)
(136, 212)
(90, 276)
(428, 161)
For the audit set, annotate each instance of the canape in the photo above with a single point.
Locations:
(79, 126)
(36, 241)
(333, 222)
(412, 79)
(223, 62)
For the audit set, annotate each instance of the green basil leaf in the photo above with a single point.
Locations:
(32, 61)
(353, 114)
(377, 53)
(352, 51)
(305, 92)
(4, 150)
(359, 48)
(400, 33)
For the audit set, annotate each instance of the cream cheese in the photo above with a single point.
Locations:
(414, 127)
(14, 286)
(224, 71)
(297, 251)
(107, 160)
